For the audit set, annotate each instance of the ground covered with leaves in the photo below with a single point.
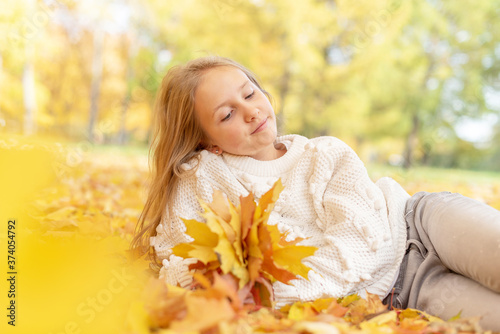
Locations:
(101, 197)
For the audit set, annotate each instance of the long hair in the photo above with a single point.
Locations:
(177, 138)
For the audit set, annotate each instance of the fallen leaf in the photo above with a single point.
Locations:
(243, 244)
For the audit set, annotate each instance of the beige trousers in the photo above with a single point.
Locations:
(452, 262)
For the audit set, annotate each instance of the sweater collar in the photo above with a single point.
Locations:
(295, 148)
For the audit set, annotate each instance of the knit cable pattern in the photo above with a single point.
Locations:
(357, 225)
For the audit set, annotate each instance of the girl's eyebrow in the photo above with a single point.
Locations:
(224, 102)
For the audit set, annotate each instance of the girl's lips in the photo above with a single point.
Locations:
(261, 126)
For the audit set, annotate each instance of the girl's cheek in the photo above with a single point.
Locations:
(232, 137)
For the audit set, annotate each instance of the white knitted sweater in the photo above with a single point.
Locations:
(328, 198)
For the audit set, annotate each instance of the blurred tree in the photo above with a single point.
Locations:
(415, 69)
(394, 74)
(128, 54)
(437, 69)
(95, 86)
(19, 38)
(494, 152)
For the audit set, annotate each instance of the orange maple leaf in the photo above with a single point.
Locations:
(238, 241)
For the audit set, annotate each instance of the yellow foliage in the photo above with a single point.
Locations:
(242, 242)
(74, 254)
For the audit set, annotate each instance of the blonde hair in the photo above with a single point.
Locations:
(177, 138)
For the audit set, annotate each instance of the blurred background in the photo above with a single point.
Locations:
(405, 83)
(413, 86)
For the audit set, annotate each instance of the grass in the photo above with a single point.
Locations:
(480, 185)
(434, 174)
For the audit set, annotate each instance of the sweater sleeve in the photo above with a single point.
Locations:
(199, 184)
(171, 231)
(357, 250)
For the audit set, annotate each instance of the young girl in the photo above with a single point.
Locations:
(216, 129)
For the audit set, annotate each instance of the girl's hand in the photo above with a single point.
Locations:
(175, 271)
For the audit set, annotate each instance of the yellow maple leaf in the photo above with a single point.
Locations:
(243, 244)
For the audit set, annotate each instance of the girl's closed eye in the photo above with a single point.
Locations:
(249, 96)
(228, 116)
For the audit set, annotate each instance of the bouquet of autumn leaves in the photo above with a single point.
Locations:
(238, 244)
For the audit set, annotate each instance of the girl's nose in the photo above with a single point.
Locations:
(251, 113)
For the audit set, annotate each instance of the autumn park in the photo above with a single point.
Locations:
(413, 87)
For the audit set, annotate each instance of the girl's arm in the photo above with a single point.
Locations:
(171, 232)
(210, 174)
(363, 234)
(174, 270)
(364, 230)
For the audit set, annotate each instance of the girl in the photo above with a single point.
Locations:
(216, 129)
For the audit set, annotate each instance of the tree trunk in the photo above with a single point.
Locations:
(283, 92)
(122, 134)
(29, 92)
(411, 141)
(95, 85)
(284, 84)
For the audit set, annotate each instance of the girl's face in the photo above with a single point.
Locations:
(235, 116)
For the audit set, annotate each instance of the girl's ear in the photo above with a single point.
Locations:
(215, 150)
(211, 148)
